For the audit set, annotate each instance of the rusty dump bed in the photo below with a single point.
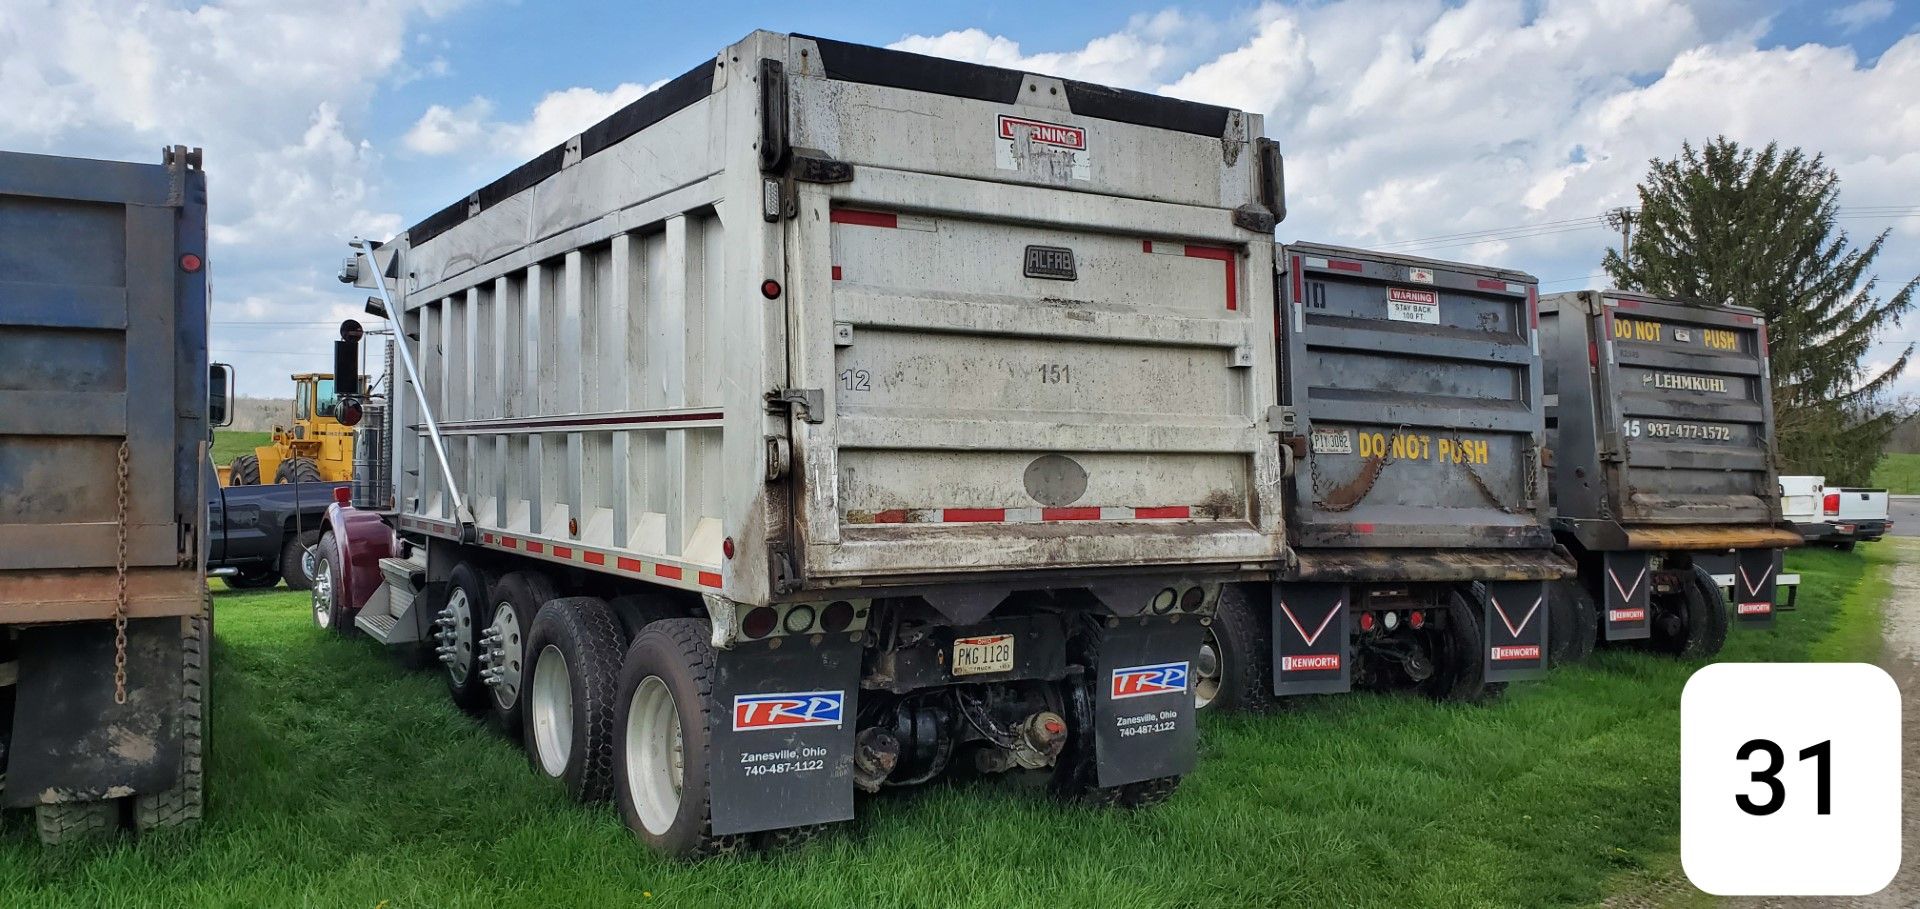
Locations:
(103, 353)
(1660, 422)
(1415, 386)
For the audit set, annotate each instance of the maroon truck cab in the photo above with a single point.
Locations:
(360, 541)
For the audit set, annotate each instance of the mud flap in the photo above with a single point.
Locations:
(1754, 577)
(1144, 717)
(1515, 619)
(1311, 652)
(71, 742)
(782, 736)
(1627, 589)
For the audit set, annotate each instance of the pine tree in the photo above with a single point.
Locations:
(1723, 224)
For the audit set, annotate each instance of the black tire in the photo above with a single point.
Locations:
(185, 802)
(330, 599)
(66, 822)
(244, 470)
(255, 578)
(1459, 655)
(1573, 623)
(293, 565)
(1703, 619)
(1076, 774)
(524, 593)
(297, 470)
(676, 654)
(459, 625)
(1241, 639)
(581, 640)
(638, 610)
(1845, 547)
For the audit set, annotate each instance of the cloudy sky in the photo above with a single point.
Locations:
(1495, 131)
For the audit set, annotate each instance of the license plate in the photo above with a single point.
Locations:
(1332, 441)
(990, 653)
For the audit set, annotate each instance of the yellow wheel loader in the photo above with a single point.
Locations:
(316, 448)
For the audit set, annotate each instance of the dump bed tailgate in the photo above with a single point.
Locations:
(1416, 386)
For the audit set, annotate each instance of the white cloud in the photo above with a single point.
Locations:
(556, 117)
(1856, 16)
(443, 130)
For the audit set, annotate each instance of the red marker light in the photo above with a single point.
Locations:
(726, 547)
(1417, 619)
(770, 289)
(343, 495)
(190, 263)
(1366, 621)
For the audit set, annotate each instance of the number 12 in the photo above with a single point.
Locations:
(1822, 756)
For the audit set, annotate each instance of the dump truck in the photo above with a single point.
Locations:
(1409, 409)
(1664, 478)
(104, 433)
(831, 418)
(316, 446)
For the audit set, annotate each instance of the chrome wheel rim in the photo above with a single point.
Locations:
(1207, 671)
(551, 709)
(656, 756)
(505, 656)
(323, 595)
(460, 615)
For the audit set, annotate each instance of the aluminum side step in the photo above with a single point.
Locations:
(396, 623)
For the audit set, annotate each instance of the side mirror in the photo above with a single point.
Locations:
(220, 394)
(346, 360)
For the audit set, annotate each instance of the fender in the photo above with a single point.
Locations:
(362, 539)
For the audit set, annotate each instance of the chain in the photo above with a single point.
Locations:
(1346, 496)
(120, 591)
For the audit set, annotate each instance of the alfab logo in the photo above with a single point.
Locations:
(1626, 615)
(1141, 681)
(1313, 662)
(1759, 608)
(1043, 132)
(787, 710)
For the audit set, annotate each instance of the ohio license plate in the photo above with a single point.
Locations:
(989, 653)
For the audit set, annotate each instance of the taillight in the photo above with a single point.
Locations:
(1417, 619)
(759, 622)
(1831, 505)
(1366, 621)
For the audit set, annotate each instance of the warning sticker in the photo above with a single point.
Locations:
(1052, 152)
(1420, 275)
(1407, 305)
(1332, 441)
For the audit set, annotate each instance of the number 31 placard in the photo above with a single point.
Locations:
(1790, 779)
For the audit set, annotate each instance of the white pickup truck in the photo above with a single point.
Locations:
(1855, 515)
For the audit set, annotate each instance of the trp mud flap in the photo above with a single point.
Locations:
(1515, 620)
(1755, 573)
(1311, 651)
(71, 742)
(1627, 587)
(1144, 718)
(782, 736)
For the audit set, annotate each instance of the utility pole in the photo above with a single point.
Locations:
(1621, 219)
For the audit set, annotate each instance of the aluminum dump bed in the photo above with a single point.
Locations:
(1416, 386)
(1661, 412)
(103, 392)
(819, 314)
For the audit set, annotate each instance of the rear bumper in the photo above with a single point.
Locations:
(1854, 531)
(1608, 536)
(1355, 565)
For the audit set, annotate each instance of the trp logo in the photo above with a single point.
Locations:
(1141, 681)
(787, 710)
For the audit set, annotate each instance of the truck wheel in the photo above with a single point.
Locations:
(69, 821)
(244, 470)
(297, 470)
(1459, 655)
(1702, 619)
(1235, 669)
(1844, 547)
(457, 631)
(252, 579)
(515, 604)
(1573, 622)
(330, 611)
(182, 804)
(297, 560)
(573, 666)
(663, 746)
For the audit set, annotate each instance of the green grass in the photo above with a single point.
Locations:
(341, 779)
(228, 445)
(1899, 473)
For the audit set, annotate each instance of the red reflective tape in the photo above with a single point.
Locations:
(1299, 291)
(594, 558)
(1344, 265)
(625, 564)
(1363, 528)
(1490, 284)
(890, 516)
(1170, 511)
(1628, 304)
(836, 272)
(536, 547)
(507, 542)
(669, 572)
(1070, 514)
(1744, 320)
(709, 579)
(1220, 254)
(865, 218)
(1533, 307)
(562, 552)
(968, 515)
(1146, 246)
(486, 538)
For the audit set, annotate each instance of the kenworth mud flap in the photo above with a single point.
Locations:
(782, 720)
(1144, 718)
(1627, 590)
(1515, 622)
(1311, 648)
(1751, 577)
